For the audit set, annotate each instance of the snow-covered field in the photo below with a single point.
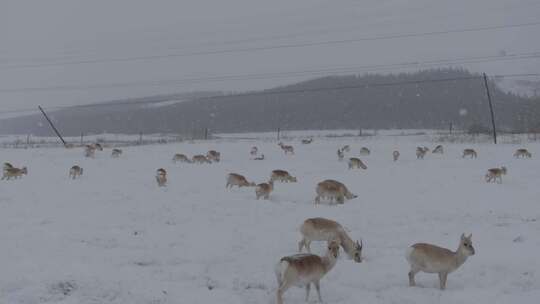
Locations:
(115, 237)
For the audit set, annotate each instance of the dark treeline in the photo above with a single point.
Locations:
(432, 105)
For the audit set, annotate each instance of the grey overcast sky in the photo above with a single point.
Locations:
(43, 43)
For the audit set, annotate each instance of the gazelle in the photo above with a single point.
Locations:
(161, 177)
(304, 269)
(438, 150)
(234, 179)
(356, 163)
(14, 173)
(433, 259)
(200, 159)
(213, 156)
(282, 176)
(395, 154)
(321, 229)
(75, 172)
(345, 148)
(259, 157)
(333, 190)
(340, 154)
(286, 148)
(469, 152)
(421, 152)
(89, 151)
(522, 153)
(116, 153)
(181, 158)
(364, 151)
(495, 174)
(263, 190)
(307, 141)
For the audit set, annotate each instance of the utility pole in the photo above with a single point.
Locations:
(52, 125)
(491, 110)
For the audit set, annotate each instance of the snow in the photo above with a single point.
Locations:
(115, 237)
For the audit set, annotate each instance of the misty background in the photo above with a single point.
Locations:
(73, 52)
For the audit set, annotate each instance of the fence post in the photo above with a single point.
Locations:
(278, 130)
(140, 138)
(490, 110)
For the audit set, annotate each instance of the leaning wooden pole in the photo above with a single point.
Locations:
(491, 110)
(52, 125)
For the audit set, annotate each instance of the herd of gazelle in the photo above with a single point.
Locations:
(305, 268)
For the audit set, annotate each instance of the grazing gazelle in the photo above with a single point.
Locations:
(522, 153)
(200, 159)
(421, 152)
(89, 151)
(495, 174)
(395, 154)
(234, 179)
(161, 177)
(304, 269)
(282, 176)
(116, 153)
(307, 141)
(364, 151)
(345, 148)
(438, 150)
(333, 190)
(259, 157)
(321, 229)
(340, 154)
(469, 152)
(356, 163)
(181, 158)
(286, 149)
(433, 259)
(213, 156)
(14, 173)
(263, 189)
(75, 171)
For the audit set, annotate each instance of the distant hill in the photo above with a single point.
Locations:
(395, 101)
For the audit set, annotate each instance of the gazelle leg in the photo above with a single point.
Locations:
(318, 288)
(412, 273)
(442, 279)
(308, 287)
(301, 245)
(308, 245)
(281, 290)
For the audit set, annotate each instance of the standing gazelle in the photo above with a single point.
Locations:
(433, 259)
(161, 177)
(421, 152)
(286, 148)
(304, 269)
(264, 189)
(75, 171)
(213, 156)
(321, 229)
(469, 152)
(356, 163)
(438, 150)
(395, 154)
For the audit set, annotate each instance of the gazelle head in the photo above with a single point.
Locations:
(357, 252)
(333, 249)
(503, 170)
(465, 245)
(24, 171)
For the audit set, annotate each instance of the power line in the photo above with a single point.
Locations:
(259, 76)
(278, 92)
(273, 47)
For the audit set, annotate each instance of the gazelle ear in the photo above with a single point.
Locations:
(470, 236)
(463, 236)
